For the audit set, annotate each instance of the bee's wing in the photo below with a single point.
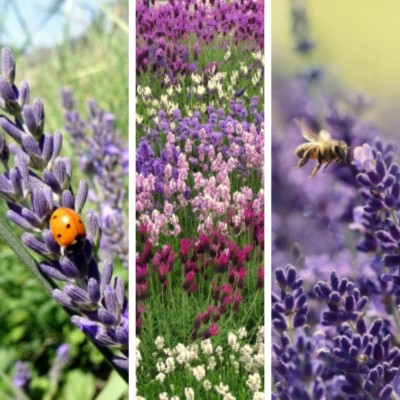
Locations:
(324, 136)
(307, 132)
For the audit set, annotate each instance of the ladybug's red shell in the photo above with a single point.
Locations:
(67, 227)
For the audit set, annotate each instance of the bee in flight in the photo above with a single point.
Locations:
(321, 147)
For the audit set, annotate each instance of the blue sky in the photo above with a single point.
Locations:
(74, 14)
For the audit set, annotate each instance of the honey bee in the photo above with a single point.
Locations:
(321, 147)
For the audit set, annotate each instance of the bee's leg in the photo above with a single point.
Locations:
(315, 170)
(304, 160)
(326, 166)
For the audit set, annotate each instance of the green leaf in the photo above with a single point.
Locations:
(79, 385)
(115, 388)
(16, 333)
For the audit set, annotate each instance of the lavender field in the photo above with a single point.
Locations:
(199, 200)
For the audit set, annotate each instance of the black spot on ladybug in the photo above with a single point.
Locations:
(54, 216)
(68, 226)
(80, 222)
(59, 235)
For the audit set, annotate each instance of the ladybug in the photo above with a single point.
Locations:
(67, 227)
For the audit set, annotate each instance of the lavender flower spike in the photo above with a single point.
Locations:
(22, 378)
(102, 157)
(62, 359)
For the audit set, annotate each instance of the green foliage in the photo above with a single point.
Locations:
(79, 385)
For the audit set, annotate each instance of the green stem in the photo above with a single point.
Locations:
(397, 318)
(25, 256)
(394, 216)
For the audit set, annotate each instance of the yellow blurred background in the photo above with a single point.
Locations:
(358, 46)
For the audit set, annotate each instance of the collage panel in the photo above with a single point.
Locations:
(335, 200)
(199, 199)
(63, 200)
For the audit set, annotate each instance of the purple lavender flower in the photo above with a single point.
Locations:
(289, 309)
(103, 157)
(160, 29)
(62, 359)
(367, 360)
(296, 368)
(22, 378)
(343, 299)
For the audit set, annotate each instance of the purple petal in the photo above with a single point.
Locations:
(11, 129)
(122, 336)
(106, 275)
(110, 300)
(57, 144)
(46, 144)
(76, 293)
(94, 290)
(120, 291)
(85, 325)
(63, 298)
(60, 172)
(53, 273)
(38, 111)
(51, 180)
(68, 200)
(121, 362)
(69, 268)
(93, 226)
(106, 317)
(31, 146)
(8, 65)
(24, 93)
(35, 244)
(21, 163)
(40, 204)
(93, 270)
(81, 195)
(29, 118)
(6, 91)
(6, 189)
(48, 239)
(32, 218)
(19, 220)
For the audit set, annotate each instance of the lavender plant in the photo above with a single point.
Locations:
(23, 374)
(22, 379)
(35, 182)
(103, 157)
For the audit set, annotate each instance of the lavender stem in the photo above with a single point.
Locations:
(25, 257)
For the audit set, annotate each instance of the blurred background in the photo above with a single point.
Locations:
(82, 45)
(337, 65)
(357, 43)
